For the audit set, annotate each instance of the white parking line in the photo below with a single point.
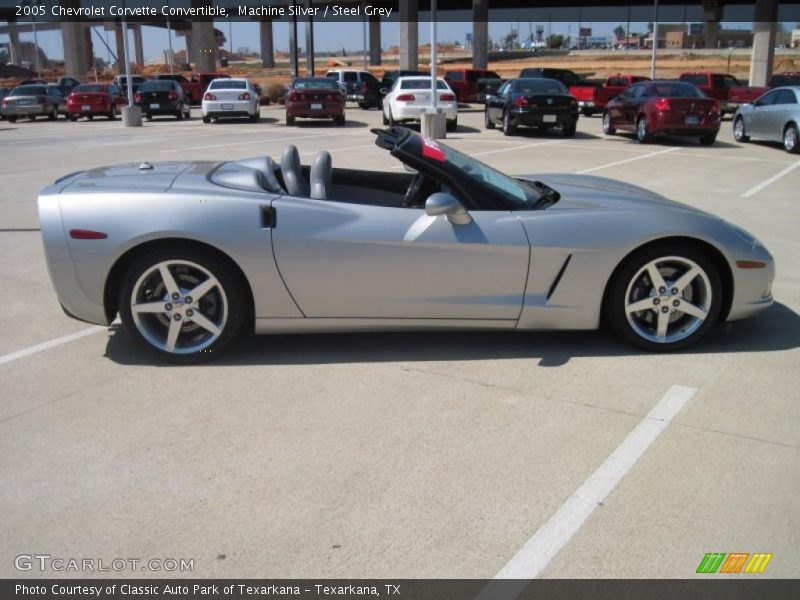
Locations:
(60, 341)
(551, 537)
(771, 180)
(627, 160)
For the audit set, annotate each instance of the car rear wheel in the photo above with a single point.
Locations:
(739, 133)
(508, 127)
(12, 119)
(487, 120)
(569, 130)
(289, 121)
(587, 112)
(708, 139)
(791, 139)
(148, 116)
(206, 119)
(32, 117)
(187, 113)
(73, 118)
(53, 114)
(664, 297)
(642, 134)
(113, 114)
(452, 125)
(608, 128)
(179, 114)
(340, 120)
(392, 122)
(183, 306)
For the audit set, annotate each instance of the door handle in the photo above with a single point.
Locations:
(268, 217)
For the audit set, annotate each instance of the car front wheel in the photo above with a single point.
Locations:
(641, 131)
(182, 306)
(739, 133)
(487, 120)
(665, 297)
(791, 139)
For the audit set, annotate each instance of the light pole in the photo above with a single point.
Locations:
(434, 99)
(169, 37)
(37, 66)
(655, 40)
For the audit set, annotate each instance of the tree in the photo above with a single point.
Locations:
(619, 31)
(555, 41)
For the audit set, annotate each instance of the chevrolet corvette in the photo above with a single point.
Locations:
(191, 255)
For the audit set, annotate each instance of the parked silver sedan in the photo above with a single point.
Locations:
(775, 117)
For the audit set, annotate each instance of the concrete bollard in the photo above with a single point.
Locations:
(434, 125)
(131, 116)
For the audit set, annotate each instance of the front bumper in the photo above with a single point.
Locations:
(752, 291)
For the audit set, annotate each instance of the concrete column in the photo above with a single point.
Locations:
(712, 13)
(204, 44)
(409, 34)
(14, 48)
(763, 55)
(120, 47)
(374, 40)
(267, 49)
(88, 46)
(138, 47)
(309, 43)
(480, 34)
(74, 49)
(293, 62)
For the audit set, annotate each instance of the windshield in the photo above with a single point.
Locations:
(422, 84)
(319, 83)
(89, 87)
(676, 90)
(30, 90)
(156, 86)
(519, 193)
(228, 84)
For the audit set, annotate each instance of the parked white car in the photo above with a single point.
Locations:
(234, 97)
(411, 96)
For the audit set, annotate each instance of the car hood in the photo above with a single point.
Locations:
(589, 192)
(159, 177)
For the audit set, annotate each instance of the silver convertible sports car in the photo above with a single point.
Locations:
(193, 254)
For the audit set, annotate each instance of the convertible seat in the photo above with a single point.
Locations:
(293, 173)
(321, 175)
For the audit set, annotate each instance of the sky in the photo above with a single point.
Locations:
(331, 36)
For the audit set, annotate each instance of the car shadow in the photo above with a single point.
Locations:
(533, 133)
(776, 329)
(676, 142)
(238, 121)
(328, 124)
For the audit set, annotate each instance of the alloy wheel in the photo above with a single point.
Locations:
(790, 138)
(668, 299)
(738, 130)
(179, 307)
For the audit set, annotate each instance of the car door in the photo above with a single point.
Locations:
(628, 107)
(757, 124)
(360, 261)
(777, 114)
(496, 103)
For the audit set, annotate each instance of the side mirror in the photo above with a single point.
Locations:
(384, 91)
(442, 203)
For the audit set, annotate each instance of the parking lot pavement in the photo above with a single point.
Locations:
(413, 455)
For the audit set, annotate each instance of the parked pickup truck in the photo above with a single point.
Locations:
(582, 89)
(196, 86)
(726, 89)
(472, 85)
(592, 99)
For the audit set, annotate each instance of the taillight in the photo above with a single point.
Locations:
(365, 89)
(5, 103)
(173, 96)
(137, 97)
(521, 102)
(405, 98)
(447, 97)
(209, 96)
(245, 96)
(662, 104)
(293, 97)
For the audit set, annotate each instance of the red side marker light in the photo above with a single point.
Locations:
(87, 234)
(750, 264)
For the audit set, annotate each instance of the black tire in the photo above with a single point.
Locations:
(791, 139)
(364, 105)
(206, 119)
(90, 117)
(608, 128)
(179, 114)
(616, 300)
(289, 121)
(385, 120)
(31, 117)
(53, 114)
(230, 282)
(739, 131)
(508, 127)
(392, 122)
(452, 125)
(340, 120)
(255, 116)
(569, 130)
(587, 112)
(487, 120)
(708, 139)
(112, 116)
(148, 116)
(642, 135)
(73, 118)
(12, 119)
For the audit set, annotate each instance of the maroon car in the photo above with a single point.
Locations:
(94, 99)
(315, 98)
(653, 108)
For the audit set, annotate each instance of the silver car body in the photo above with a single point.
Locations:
(321, 265)
(770, 114)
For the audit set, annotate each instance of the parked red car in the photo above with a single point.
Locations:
(315, 98)
(94, 99)
(593, 99)
(653, 108)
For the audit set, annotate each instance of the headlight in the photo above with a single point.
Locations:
(745, 235)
